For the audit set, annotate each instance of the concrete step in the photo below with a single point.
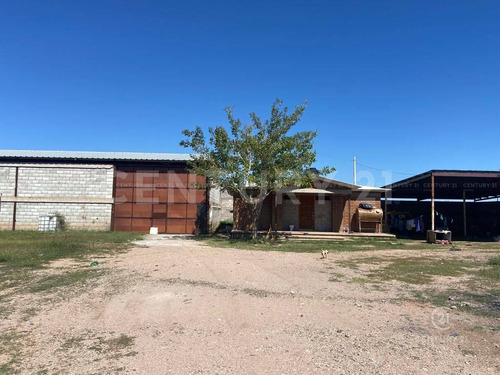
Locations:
(333, 236)
(304, 238)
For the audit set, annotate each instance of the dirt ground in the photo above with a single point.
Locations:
(179, 307)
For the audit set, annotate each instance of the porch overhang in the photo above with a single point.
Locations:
(313, 191)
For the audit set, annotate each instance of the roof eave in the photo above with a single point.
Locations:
(90, 155)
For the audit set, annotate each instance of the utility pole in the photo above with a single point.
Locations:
(354, 170)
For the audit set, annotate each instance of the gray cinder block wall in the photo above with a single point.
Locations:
(214, 215)
(226, 203)
(290, 214)
(323, 215)
(221, 206)
(83, 194)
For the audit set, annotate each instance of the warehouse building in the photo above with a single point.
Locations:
(120, 191)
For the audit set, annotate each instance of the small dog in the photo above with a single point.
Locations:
(324, 254)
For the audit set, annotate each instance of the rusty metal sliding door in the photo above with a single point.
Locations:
(164, 198)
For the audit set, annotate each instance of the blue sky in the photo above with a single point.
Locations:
(405, 86)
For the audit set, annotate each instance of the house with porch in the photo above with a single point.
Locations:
(327, 206)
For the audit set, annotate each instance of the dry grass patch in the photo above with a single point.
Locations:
(472, 285)
(25, 269)
(24, 253)
(307, 246)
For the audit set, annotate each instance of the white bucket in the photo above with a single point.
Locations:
(292, 227)
(153, 230)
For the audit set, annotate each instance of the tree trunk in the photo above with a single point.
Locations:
(255, 219)
(256, 211)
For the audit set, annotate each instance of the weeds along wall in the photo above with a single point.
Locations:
(82, 194)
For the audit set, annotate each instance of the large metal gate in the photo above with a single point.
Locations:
(168, 199)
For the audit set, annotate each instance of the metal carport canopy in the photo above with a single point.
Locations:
(448, 184)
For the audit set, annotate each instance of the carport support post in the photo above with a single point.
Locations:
(349, 213)
(432, 202)
(465, 215)
(385, 209)
(14, 210)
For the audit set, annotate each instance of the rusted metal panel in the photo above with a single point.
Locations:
(123, 195)
(142, 210)
(177, 211)
(123, 210)
(178, 195)
(141, 225)
(160, 195)
(143, 195)
(159, 211)
(122, 224)
(176, 226)
(196, 195)
(165, 198)
(125, 178)
(192, 211)
(191, 226)
(161, 224)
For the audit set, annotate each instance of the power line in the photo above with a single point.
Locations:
(384, 170)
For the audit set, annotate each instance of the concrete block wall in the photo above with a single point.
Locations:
(77, 216)
(214, 197)
(226, 204)
(290, 214)
(6, 215)
(83, 194)
(67, 181)
(221, 205)
(7, 186)
(323, 215)
(7, 180)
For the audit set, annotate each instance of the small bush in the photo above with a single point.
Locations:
(61, 222)
(222, 227)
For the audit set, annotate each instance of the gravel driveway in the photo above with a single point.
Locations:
(179, 307)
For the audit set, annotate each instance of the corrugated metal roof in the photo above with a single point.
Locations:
(91, 155)
(308, 191)
(351, 186)
(465, 173)
(371, 188)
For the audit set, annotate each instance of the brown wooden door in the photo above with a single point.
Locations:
(306, 212)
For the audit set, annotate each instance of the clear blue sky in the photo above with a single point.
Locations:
(405, 85)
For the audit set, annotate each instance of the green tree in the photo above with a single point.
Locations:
(252, 160)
